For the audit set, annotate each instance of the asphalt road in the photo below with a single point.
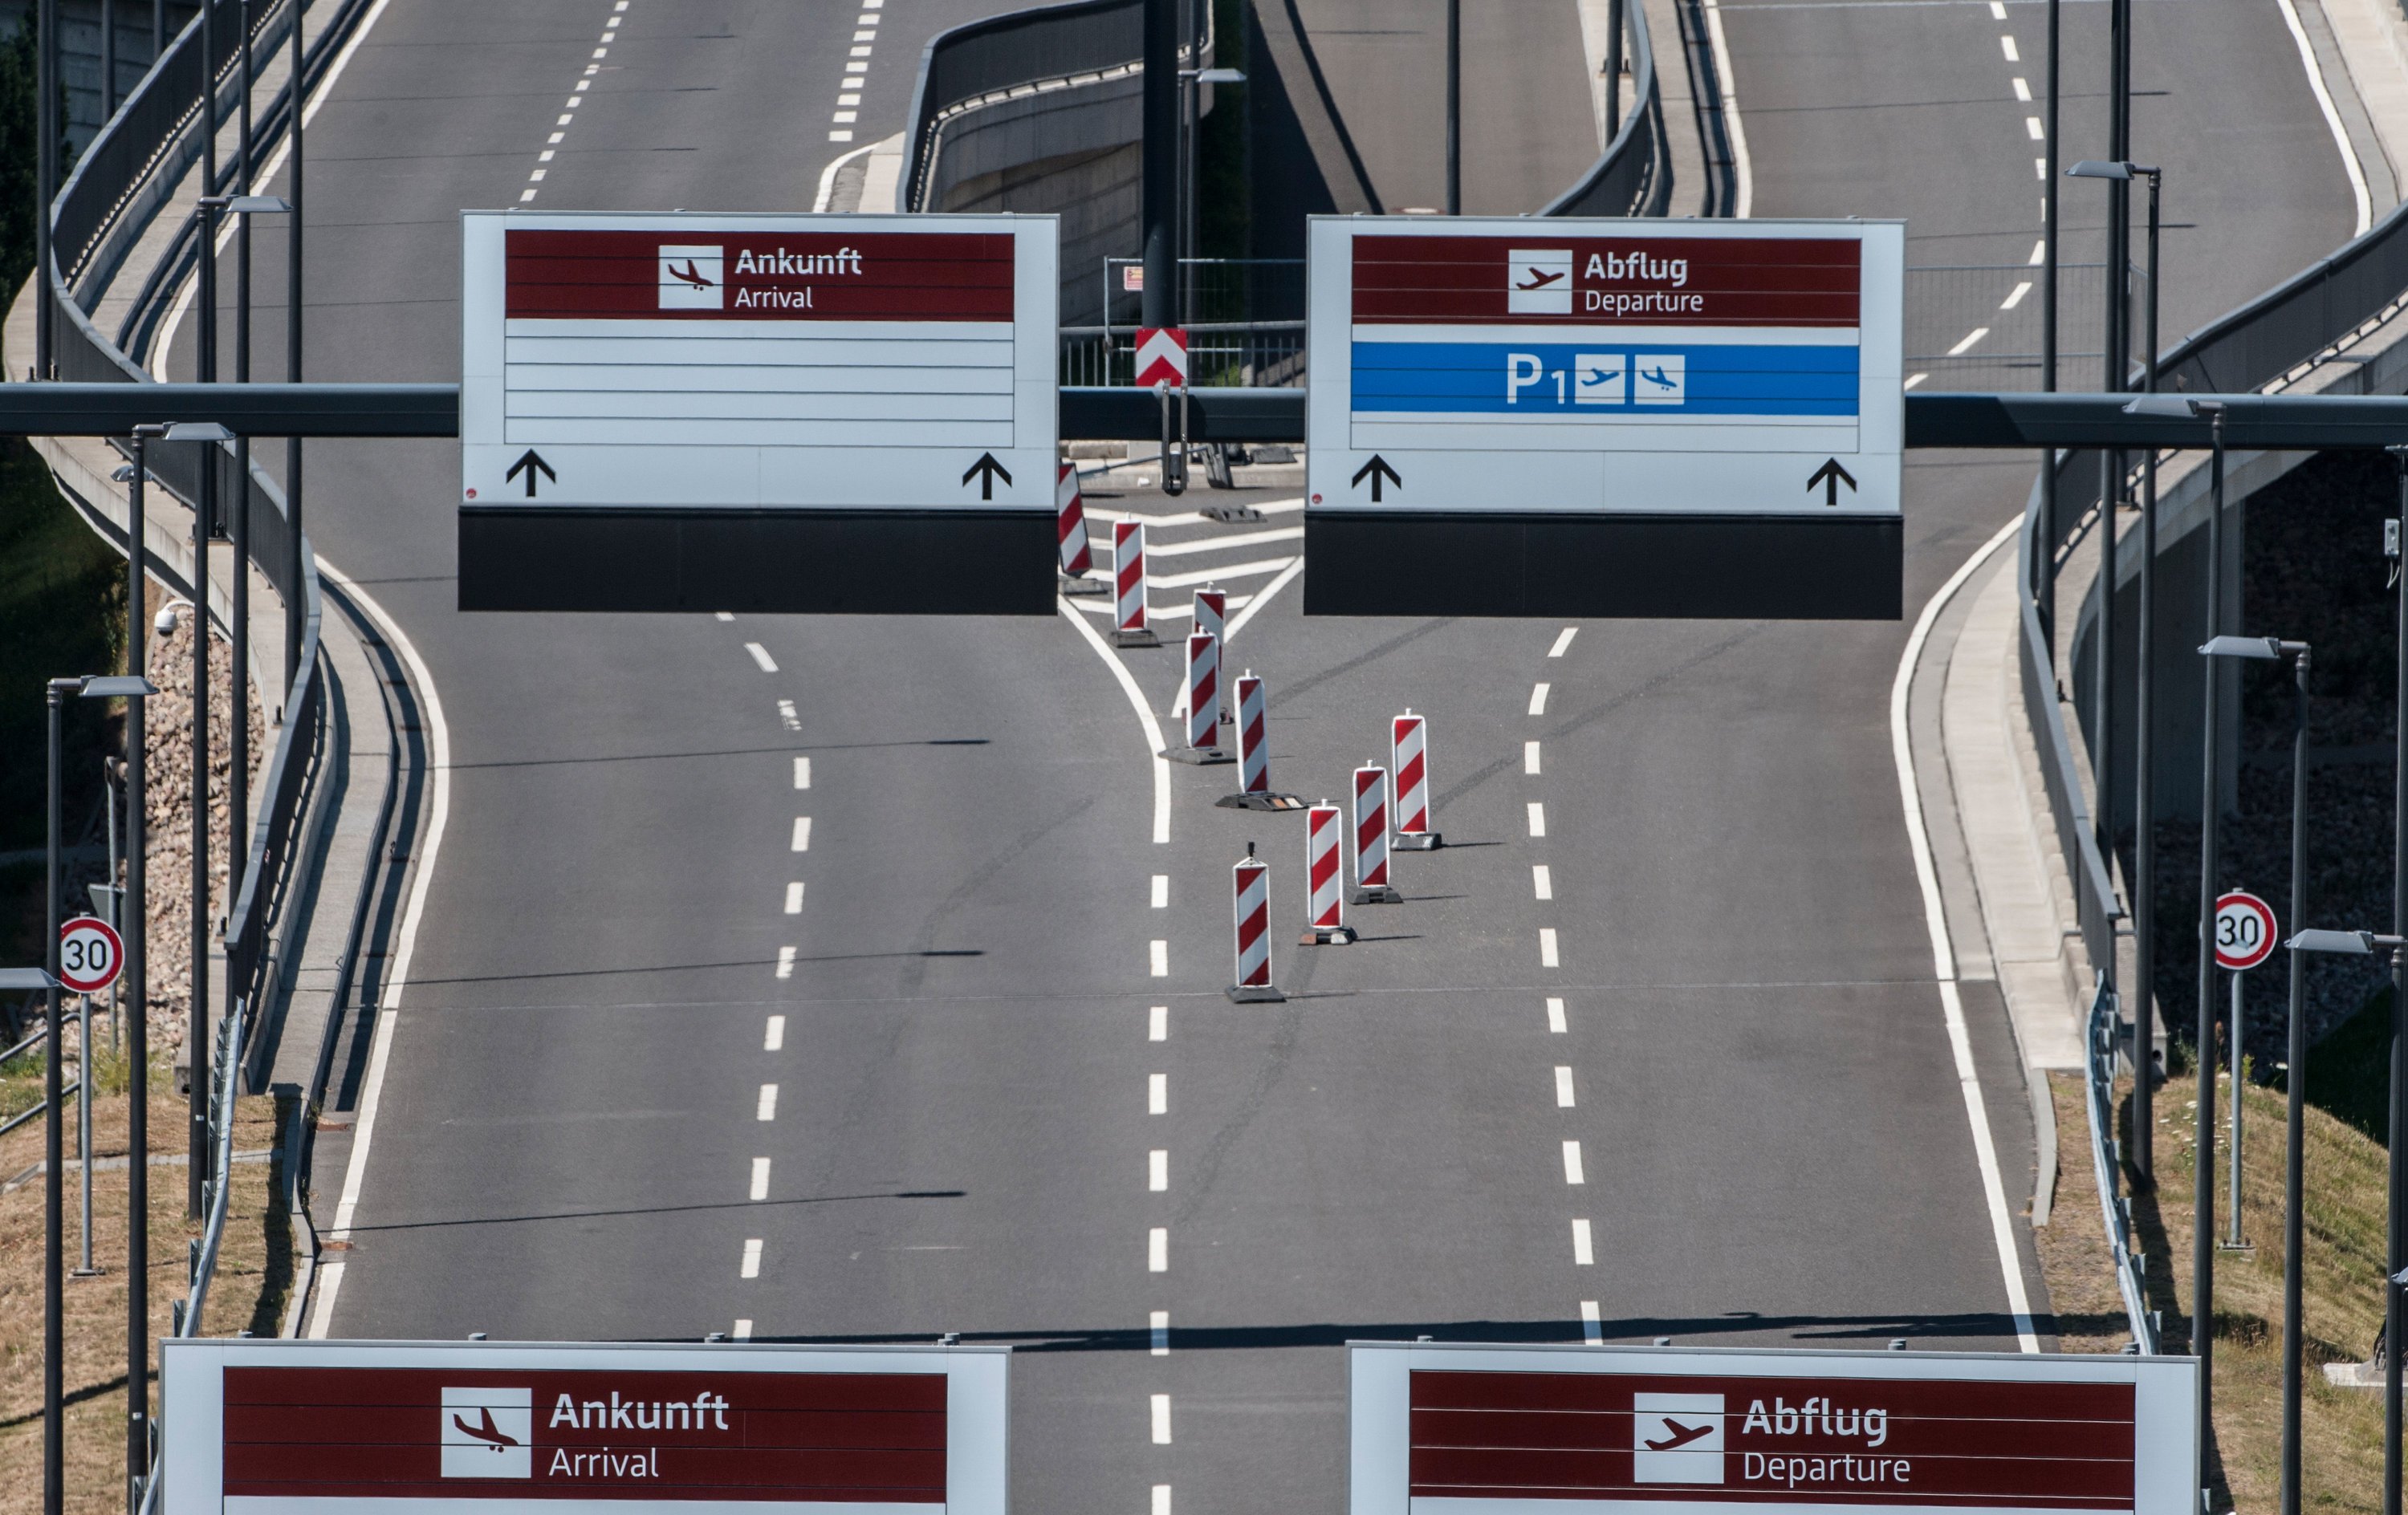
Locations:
(1774, 1145)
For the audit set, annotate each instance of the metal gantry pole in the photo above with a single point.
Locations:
(2295, 1075)
(1160, 187)
(2202, 1258)
(53, 1120)
(1614, 27)
(1455, 107)
(2143, 994)
(46, 183)
(2045, 591)
(135, 912)
(239, 508)
(2396, 1229)
(198, 1031)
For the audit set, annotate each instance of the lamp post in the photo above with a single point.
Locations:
(136, 924)
(2203, 1252)
(1455, 107)
(2045, 591)
(2268, 649)
(294, 612)
(46, 181)
(1159, 182)
(1191, 118)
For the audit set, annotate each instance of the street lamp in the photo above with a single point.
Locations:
(136, 996)
(2268, 649)
(54, 1116)
(198, 1032)
(1190, 123)
(2110, 487)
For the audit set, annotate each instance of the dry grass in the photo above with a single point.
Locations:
(2340, 1429)
(253, 1276)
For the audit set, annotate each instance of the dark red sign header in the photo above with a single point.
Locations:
(1975, 1443)
(1542, 278)
(758, 275)
(457, 1434)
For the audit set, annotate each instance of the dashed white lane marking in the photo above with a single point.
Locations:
(773, 1035)
(1157, 1094)
(1997, 11)
(760, 1177)
(802, 772)
(1592, 1323)
(787, 717)
(1542, 881)
(1144, 714)
(1912, 379)
(802, 842)
(1162, 891)
(1162, 1420)
(2015, 296)
(1555, 1023)
(1161, 1499)
(1158, 1171)
(2039, 252)
(785, 962)
(1583, 1253)
(766, 1107)
(1538, 699)
(1971, 338)
(2032, 128)
(2040, 169)
(1529, 757)
(1538, 819)
(1563, 1088)
(2023, 90)
(1563, 641)
(1158, 1022)
(750, 1266)
(1573, 1172)
(743, 1330)
(1157, 1250)
(795, 897)
(2007, 46)
(1547, 958)
(1159, 1324)
(1158, 955)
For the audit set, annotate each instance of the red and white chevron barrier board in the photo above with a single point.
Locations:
(1071, 523)
(1203, 688)
(1254, 737)
(1128, 575)
(1161, 357)
(1371, 830)
(1326, 910)
(1252, 891)
(1212, 612)
(1412, 751)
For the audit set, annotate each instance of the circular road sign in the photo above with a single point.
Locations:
(90, 954)
(2244, 930)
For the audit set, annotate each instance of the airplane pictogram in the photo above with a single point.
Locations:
(1657, 377)
(1682, 1435)
(488, 1431)
(689, 274)
(1540, 280)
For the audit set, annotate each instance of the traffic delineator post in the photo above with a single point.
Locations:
(1254, 754)
(1129, 627)
(1201, 702)
(1371, 886)
(1409, 745)
(1251, 901)
(1324, 919)
(1070, 534)
(1213, 614)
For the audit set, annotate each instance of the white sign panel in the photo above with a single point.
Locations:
(1580, 1430)
(1602, 366)
(788, 362)
(271, 1427)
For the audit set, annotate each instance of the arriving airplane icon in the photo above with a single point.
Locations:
(687, 275)
(1540, 280)
(488, 1431)
(1682, 1435)
(1656, 376)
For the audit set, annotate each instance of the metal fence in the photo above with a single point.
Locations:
(1978, 326)
(1633, 175)
(1249, 354)
(2105, 1035)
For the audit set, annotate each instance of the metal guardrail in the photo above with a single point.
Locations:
(2105, 1035)
(1633, 175)
(2096, 906)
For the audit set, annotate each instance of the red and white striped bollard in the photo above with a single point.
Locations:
(1254, 753)
(1324, 921)
(1371, 886)
(1070, 534)
(1128, 581)
(1251, 896)
(1212, 615)
(1409, 747)
(1201, 702)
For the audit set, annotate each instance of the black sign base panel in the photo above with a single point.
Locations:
(1394, 563)
(787, 562)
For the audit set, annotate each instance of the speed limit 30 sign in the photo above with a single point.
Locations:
(90, 954)
(2244, 930)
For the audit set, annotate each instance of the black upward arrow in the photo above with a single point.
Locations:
(985, 471)
(1376, 470)
(1832, 476)
(531, 464)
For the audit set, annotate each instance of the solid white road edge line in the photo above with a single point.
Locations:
(1263, 596)
(2332, 117)
(1144, 715)
(827, 177)
(388, 1013)
(1738, 129)
(1943, 955)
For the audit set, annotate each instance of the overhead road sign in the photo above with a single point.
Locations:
(1470, 1430)
(2246, 933)
(90, 954)
(1604, 417)
(270, 1427)
(684, 412)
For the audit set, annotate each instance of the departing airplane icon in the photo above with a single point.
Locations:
(1682, 1435)
(1598, 376)
(1540, 280)
(488, 1431)
(688, 275)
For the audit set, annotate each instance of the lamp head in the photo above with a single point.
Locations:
(2264, 648)
(2092, 168)
(197, 431)
(2345, 943)
(118, 686)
